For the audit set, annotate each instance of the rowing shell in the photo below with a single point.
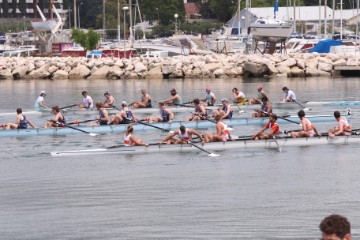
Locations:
(139, 127)
(177, 109)
(237, 144)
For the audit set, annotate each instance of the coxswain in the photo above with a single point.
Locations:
(272, 126)
(210, 97)
(307, 128)
(87, 102)
(165, 115)
(109, 101)
(40, 102)
(184, 136)
(130, 140)
(103, 116)
(239, 97)
(289, 95)
(226, 112)
(266, 109)
(175, 98)
(125, 116)
(58, 120)
(222, 132)
(199, 111)
(145, 100)
(22, 121)
(261, 94)
(343, 127)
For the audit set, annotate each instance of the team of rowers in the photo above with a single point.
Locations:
(126, 116)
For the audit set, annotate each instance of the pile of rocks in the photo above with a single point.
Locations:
(193, 66)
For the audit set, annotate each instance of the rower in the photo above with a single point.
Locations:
(272, 125)
(125, 116)
(226, 112)
(258, 99)
(266, 109)
(165, 115)
(145, 100)
(222, 132)
(307, 128)
(109, 101)
(343, 127)
(210, 97)
(199, 111)
(174, 100)
(40, 102)
(289, 95)
(58, 120)
(130, 140)
(103, 116)
(22, 121)
(87, 101)
(184, 134)
(240, 98)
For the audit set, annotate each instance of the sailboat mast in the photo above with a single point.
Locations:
(131, 24)
(319, 28)
(294, 16)
(239, 1)
(75, 18)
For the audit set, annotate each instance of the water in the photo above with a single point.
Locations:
(258, 194)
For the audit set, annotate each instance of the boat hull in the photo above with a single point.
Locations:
(270, 32)
(166, 126)
(237, 144)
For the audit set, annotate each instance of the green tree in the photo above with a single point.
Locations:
(163, 9)
(5, 8)
(224, 9)
(13, 8)
(22, 7)
(87, 40)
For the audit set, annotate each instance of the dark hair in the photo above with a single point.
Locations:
(196, 101)
(274, 116)
(56, 109)
(301, 113)
(106, 93)
(336, 114)
(18, 110)
(264, 99)
(99, 105)
(217, 117)
(285, 88)
(83, 92)
(129, 129)
(335, 224)
(182, 128)
(235, 89)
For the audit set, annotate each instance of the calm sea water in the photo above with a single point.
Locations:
(258, 194)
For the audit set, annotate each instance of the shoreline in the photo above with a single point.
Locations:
(193, 66)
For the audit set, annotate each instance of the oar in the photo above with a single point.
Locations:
(150, 125)
(80, 130)
(200, 148)
(277, 144)
(183, 105)
(304, 108)
(240, 110)
(77, 129)
(284, 118)
(85, 121)
(70, 106)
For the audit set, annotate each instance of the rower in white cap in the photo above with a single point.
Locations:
(40, 102)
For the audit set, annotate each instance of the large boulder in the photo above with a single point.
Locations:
(6, 74)
(20, 72)
(79, 72)
(255, 69)
(139, 67)
(290, 62)
(297, 72)
(327, 67)
(218, 73)
(339, 62)
(283, 69)
(41, 73)
(301, 63)
(100, 73)
(154, 73)
(60, 74)
(211, 67)
(352, 62)
(313, 72)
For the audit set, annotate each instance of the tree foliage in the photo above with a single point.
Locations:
(22, 7)
(88, 40)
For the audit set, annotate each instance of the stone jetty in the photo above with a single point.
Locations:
(193, 66)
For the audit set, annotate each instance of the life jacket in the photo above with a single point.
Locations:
(23, 124)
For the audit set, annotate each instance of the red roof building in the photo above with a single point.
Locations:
(192, 11)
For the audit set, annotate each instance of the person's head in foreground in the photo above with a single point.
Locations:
(335, 227)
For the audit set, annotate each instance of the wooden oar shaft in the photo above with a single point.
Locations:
(150, 125)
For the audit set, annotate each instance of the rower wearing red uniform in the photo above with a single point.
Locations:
(184, 134)
(199, 111)
(222, 132)
(272, 125)
(130, 140)
(343, 127)
(307, 129)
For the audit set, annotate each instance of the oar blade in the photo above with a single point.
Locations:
(213, 155)
(93, 134)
